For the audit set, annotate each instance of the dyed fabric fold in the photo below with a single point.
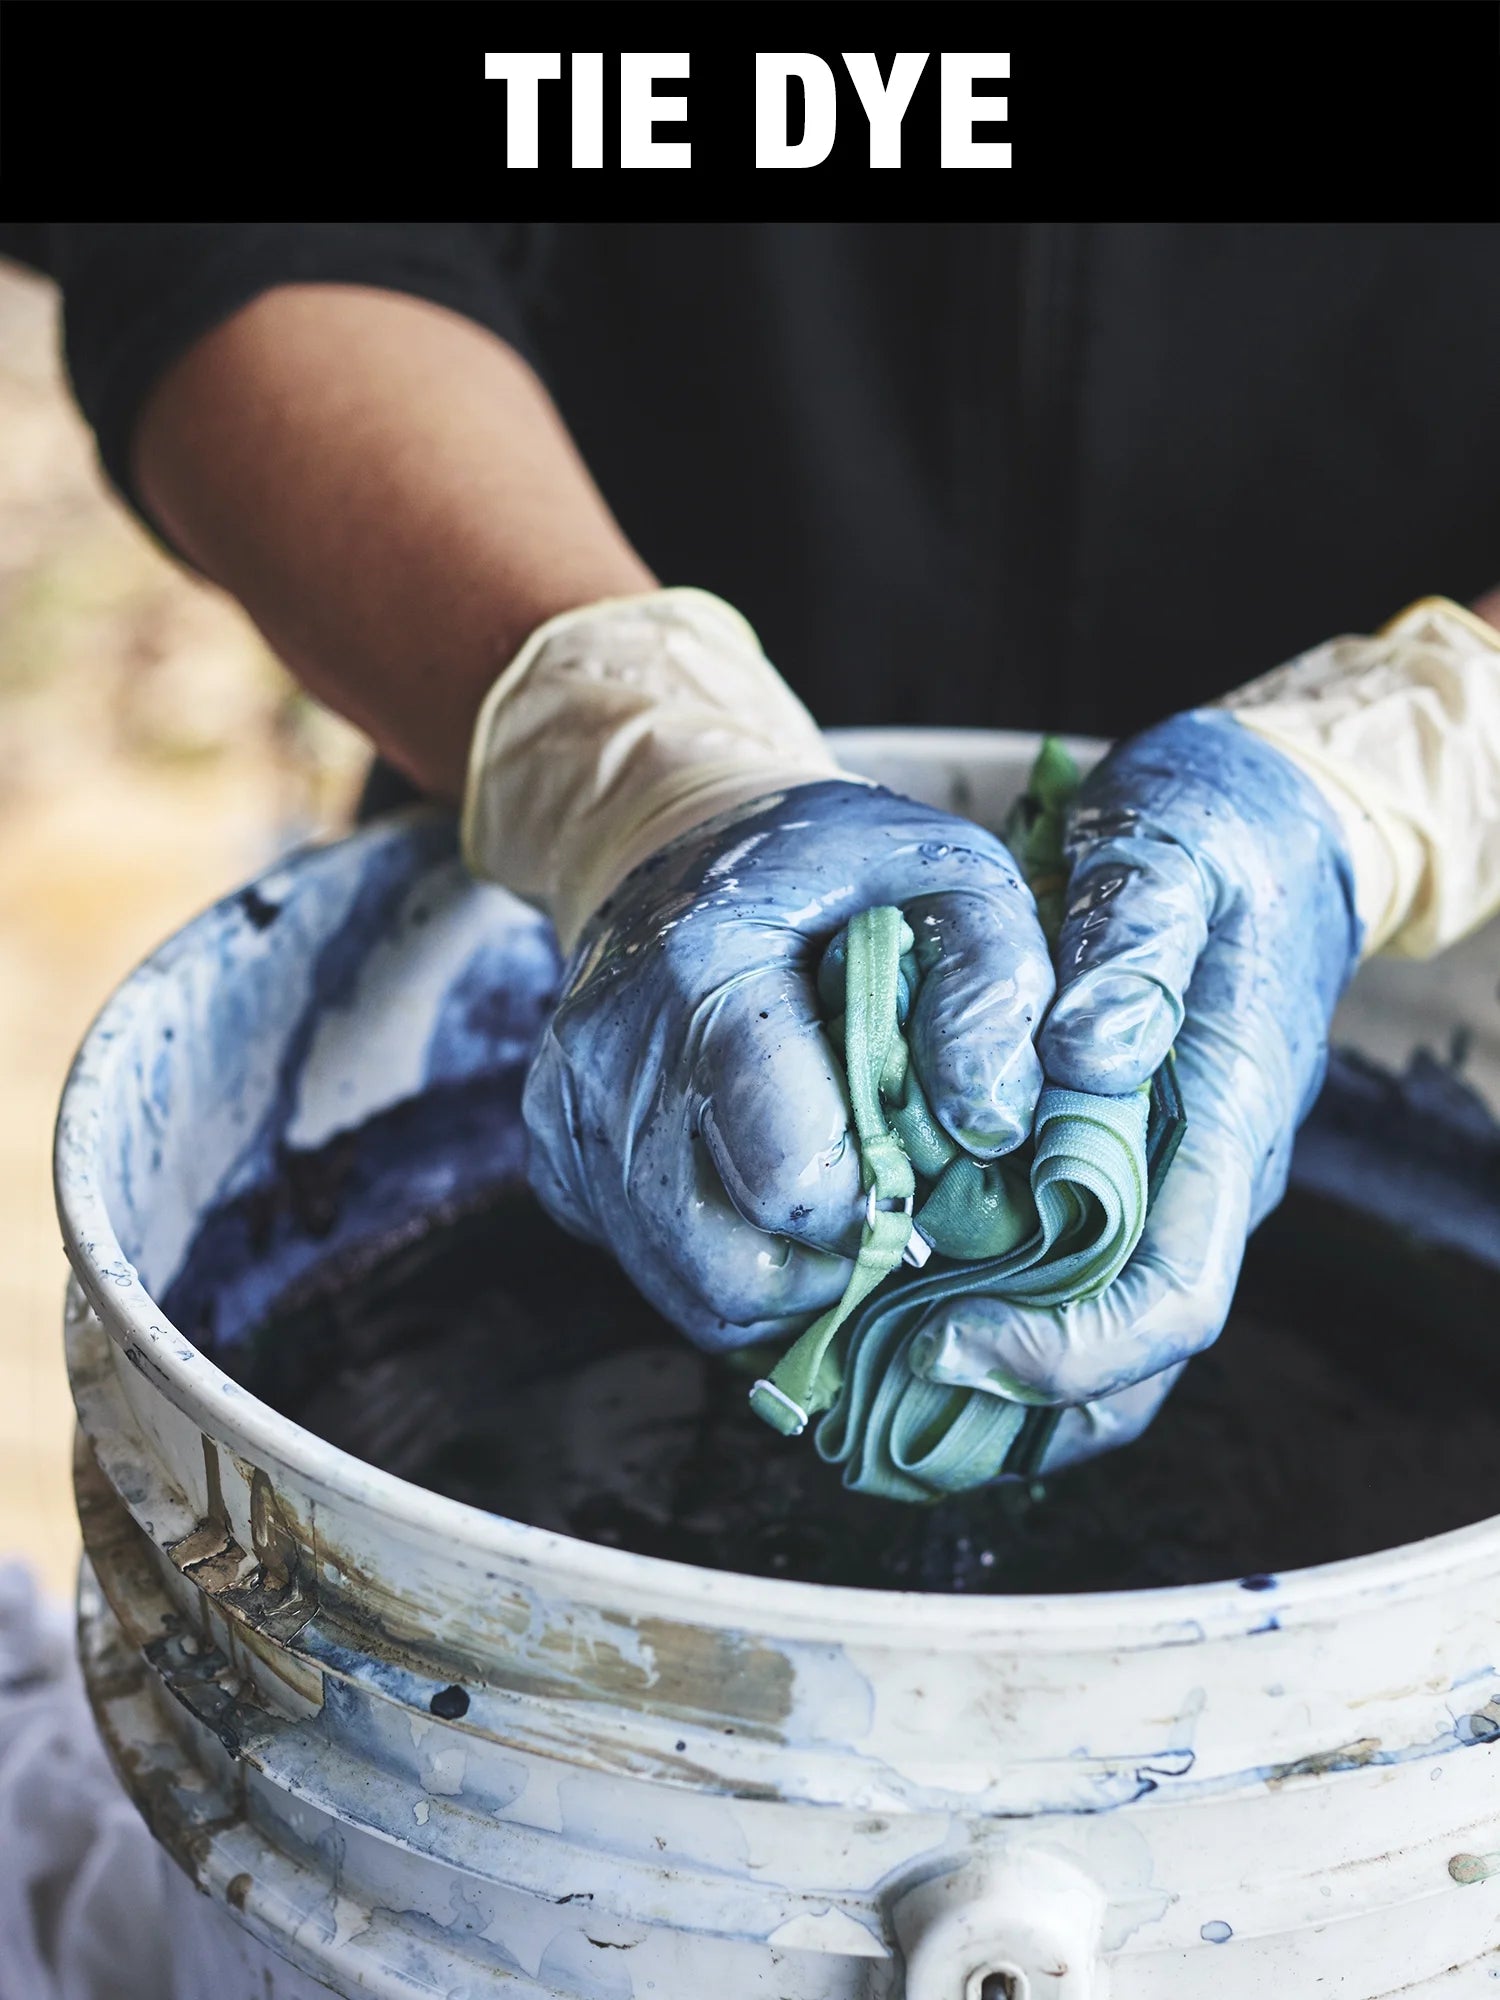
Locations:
(1047, 1227)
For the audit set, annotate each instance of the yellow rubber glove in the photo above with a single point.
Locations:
(1401, 733)
(615, 729)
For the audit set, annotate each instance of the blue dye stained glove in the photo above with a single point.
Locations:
(1210, 908)
(1228, 869)
(642, 771)
(687, 1106)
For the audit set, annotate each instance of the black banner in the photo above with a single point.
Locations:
(323, 109)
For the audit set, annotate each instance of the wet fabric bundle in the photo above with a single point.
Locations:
(1048, 1227)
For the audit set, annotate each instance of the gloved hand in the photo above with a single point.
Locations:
(1227, 869)
(644, 773)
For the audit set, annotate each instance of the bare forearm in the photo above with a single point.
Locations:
(390, 493)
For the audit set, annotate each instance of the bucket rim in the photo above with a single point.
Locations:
(224, 1411)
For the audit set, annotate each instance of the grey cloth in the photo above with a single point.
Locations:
(90, 1907)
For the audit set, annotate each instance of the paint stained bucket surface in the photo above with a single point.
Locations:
(454, 1623)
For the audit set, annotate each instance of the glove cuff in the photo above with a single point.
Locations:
(1401, 733)
(617, 728)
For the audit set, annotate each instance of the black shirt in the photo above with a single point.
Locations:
(1042, 475)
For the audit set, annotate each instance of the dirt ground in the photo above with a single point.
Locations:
(152, 754)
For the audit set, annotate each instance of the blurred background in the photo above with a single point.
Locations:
(152, 755)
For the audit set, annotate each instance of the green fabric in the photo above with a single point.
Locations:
(878, 943)
(1034, 831)
(1044, 1231)
(896, 1433)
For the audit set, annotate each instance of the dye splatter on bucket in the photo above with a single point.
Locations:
(670, 1725)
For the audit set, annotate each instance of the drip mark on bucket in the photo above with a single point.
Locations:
(1466, 1868)
(1217, 1932)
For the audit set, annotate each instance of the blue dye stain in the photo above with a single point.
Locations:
(1474, 1674)
(1257, 1583)
(1267, 1625)
(261, 911)
(1218, 1932)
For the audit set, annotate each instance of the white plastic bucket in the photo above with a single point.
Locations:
(420, 1749)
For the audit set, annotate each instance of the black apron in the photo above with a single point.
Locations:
(1056, 475)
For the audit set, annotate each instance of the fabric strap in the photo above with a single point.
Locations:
(1046, 1230)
